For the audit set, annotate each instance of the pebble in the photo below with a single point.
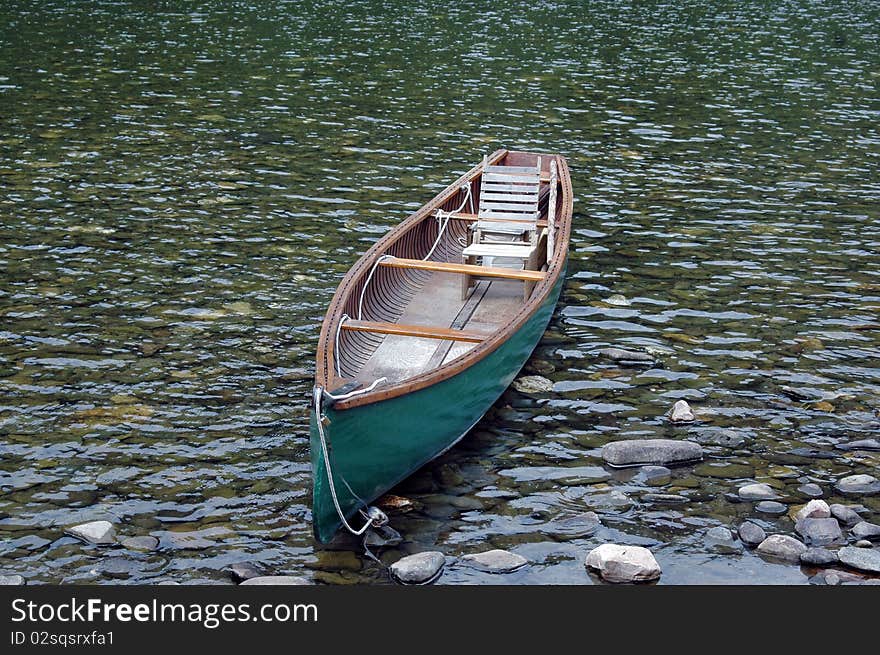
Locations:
(759, 491)
(145, 543)
(751, 534)
(863, 543)
(633, 452)
(533, 384)
(581, 525)
(99, 533)
(242, 571)
(820, 532)
(818, 557)
(664, 499)
(722, 539)
(771, 507)
(682, 413)
(844, 514)
(496, 561)
(811, 490)
(618, 300)
(865, 530)
(12, 580)
(626, 356)
(782, 547)
(862, 485)
(617, 563)
(275, 580)
(654, 476)
(861, 559)
(815, 509)
(420, 568)
(720, 437)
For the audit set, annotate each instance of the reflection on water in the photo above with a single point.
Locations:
(181, 191)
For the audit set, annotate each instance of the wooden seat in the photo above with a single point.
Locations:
(466, 269)
(420, 331)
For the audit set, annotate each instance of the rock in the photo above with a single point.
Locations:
(751, 534)
(496, 561)
(581, 525)
(533, 384)
(681, 413)
(760, 491)
(633, 452)
(721, 539)
(654, 476)
(633, 357)
(820, 532)
(392, 503)
(858, 485)
(99, 533)
(721, 437)
(811, 490)
(831, 578)
(844, 514)
(383, 537)
(861, 559)
(12, 581)
(863, 543)
(275, 580)
(145, 543)
(664, 499)
(782, 547)
(815, 509)
(420, 568)
(617, 563)
(771, 507)
(242, 571)
(818, 557)
(865, 530)
(618, 300)
(861, 444)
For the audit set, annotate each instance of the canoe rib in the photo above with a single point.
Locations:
(465, 269)
(421, 331)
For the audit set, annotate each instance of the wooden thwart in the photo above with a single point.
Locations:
(473, 218)
(421, 331)
(465, 269)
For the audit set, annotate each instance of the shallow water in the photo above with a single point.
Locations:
(180, 192)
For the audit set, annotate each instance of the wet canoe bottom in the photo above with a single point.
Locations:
(492, 304)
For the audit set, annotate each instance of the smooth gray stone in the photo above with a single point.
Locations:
(863, 559)
(665, 499)
(771, 507)
(820, 532)
(634, 452)
(626, 356)
(275, 580)
(751, 534)
(419, 568)
(719, 437)
(811, 490)
(617, 563)
(863, 543)
(571, 527)
(861, 444)
(818, 557)
(844, 514)
(496, 561)
(145, 543)
(242, 571)
(682, 413)
(654, 476)
(99, 533)
(720, 538)
(12, 581)
(782, 547)
(865, 530)
(858, 485)
(758, 491)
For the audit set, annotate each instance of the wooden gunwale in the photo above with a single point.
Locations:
(325, 373)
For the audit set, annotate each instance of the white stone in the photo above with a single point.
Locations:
(100, 533)
(496, 561)
(275, 580)
(759, 491)
(617, 563)
(815, 509)
(682, 413)
(859, 485)
(419, 568)
(533, 384)
(782, 546)
(11, 580)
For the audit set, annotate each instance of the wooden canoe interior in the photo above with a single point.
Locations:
(412, 309)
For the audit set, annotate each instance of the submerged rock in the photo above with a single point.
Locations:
(811, 490)
(99, 533)
(818, 557)
(571, 527)
(618, 300)
(845, 514)
(420, 568)
(275, 580)
(12, 580)
(682, 413)
(654, 476)
(862, 559)
(383, 537)
(617, 563)
(634, 452)
(759, 491)
(242, 571)
(863, 543)
(633, 357)
(865, 530)
(751, 534)
(496, 561)
(782, 547)
(533, 384)
(858, 485)
(771, 507)
(145, 543)
(721, 539)
(819, 532)
(815, 509)
(861, 444)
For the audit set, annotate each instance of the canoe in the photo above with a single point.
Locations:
(409, 360)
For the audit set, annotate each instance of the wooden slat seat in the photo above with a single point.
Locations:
(419, 331)
(517, 250)
(465, 269)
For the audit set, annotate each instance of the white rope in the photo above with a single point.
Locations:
(356, 392)
(439, 215)
(342, 320)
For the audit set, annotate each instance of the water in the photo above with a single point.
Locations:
(182, 189)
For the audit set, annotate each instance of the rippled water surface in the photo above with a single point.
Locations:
(182, 189)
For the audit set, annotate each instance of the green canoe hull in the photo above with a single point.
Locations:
(374, 447)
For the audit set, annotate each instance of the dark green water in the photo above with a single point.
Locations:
(181, 189)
